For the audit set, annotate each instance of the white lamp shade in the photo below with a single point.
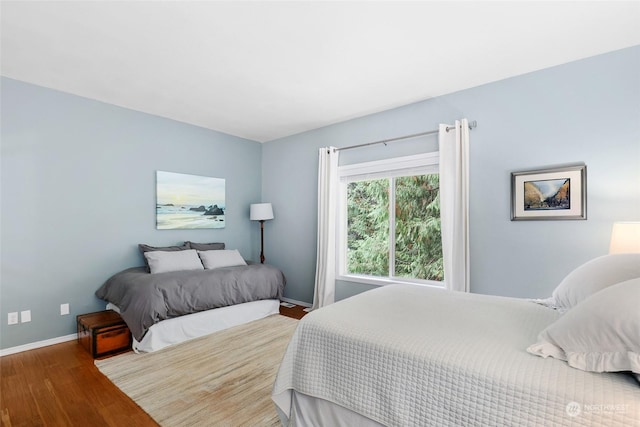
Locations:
(261, 212)
(625, 238)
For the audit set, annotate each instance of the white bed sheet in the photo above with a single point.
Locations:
(183, 328)
(414, 356)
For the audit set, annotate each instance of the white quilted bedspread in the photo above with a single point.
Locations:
(416, 356)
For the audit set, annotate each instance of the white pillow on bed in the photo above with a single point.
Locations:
(221, 258)
(600, 334)
(162, 262)
(594, 276)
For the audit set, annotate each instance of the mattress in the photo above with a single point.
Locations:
(183, 328)
(407, 355)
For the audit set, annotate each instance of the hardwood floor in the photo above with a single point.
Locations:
(59, 385)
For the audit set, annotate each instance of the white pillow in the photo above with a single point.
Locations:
(221, 258)
(162, 261)
(594, 276)
(601, 334)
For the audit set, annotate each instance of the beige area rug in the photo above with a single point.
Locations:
(223, 379)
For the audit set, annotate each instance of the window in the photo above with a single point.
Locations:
(390, 221)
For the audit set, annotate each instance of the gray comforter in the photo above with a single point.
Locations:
(145, 299)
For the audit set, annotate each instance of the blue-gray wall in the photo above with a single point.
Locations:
(78, 195)
(78, 184)
(586, 111)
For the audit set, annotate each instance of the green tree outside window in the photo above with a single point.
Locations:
(418, 246)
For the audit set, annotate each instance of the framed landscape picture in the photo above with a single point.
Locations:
(549, 194)
(189, 201)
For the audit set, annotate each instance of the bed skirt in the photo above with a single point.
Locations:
(183, 328)
(319, 412)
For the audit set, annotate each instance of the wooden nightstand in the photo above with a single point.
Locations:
(103, 333)
(297, 311)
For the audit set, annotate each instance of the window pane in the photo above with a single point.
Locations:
(368, 227)
(418, 246)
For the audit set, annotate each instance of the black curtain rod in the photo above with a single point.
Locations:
(472, 125)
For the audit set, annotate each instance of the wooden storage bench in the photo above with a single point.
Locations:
(103, 333)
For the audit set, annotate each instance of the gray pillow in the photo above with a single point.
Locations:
(146, 248)
(204, 246)
(165, 261)
(221, 258)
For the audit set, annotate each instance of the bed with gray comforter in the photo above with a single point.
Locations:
(145, 299)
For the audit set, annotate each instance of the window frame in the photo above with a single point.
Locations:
(418, 164)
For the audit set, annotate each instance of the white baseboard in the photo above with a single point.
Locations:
(292, 301)
(37, 344)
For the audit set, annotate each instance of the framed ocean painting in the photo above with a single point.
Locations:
(189, 201)
(549, 194)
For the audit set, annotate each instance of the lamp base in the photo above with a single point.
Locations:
(261, 241)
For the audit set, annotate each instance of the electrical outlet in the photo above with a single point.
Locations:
(64, 309)
(25, 316)
(12, 318)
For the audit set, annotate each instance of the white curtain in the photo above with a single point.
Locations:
(454, 204)
(324, 293)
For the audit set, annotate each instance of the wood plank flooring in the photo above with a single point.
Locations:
(59, 385)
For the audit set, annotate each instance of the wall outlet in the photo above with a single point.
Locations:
(25, 316)
(12, 318)
(64, 309)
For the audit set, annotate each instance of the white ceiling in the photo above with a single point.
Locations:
(263, 70)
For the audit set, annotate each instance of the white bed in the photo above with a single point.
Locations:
(183, 328)
(416, 356)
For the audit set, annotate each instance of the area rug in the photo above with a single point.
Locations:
(223, 379)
